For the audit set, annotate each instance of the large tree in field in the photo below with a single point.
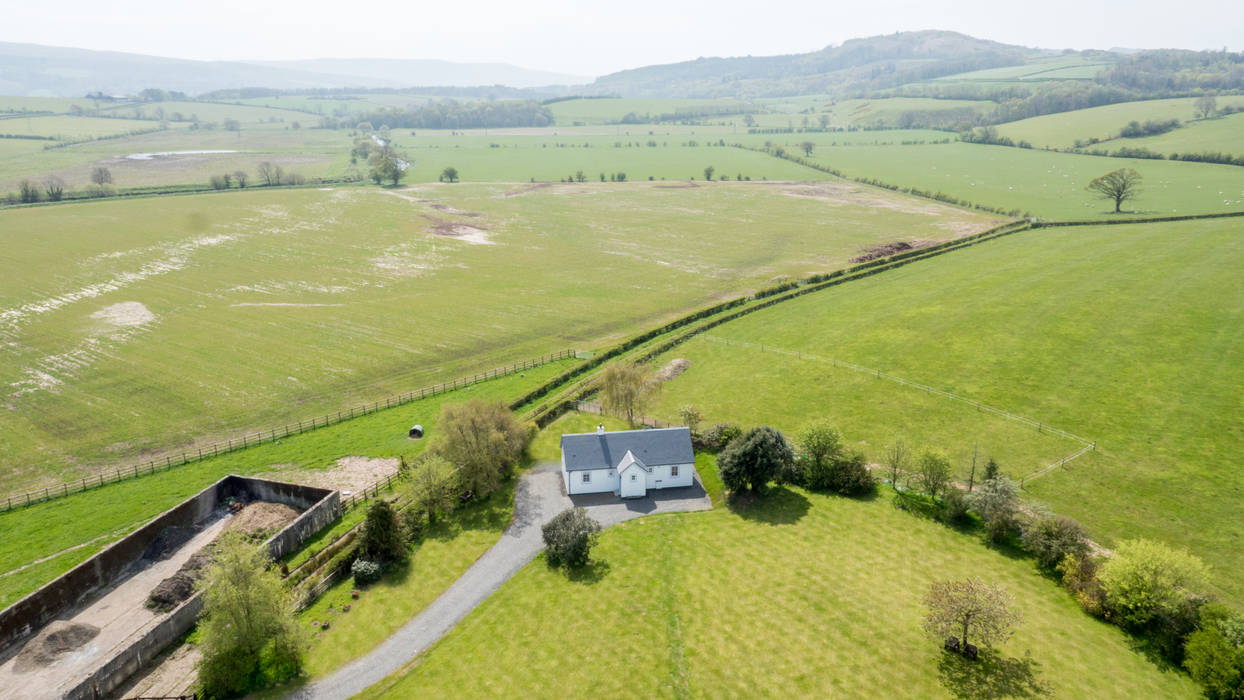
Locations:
(626, 388)
(754, 459)
(1205, 106)
(449, 174)
(1117, 185)
(101, 177)
(483, 440)
(973, 611)
(247, 615)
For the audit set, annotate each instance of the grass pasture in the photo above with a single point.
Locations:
(1042, 183)
(1062, 130)
(113, 312)
(1217, 135)
(801, 595)
(62, 128)
(1105, 332)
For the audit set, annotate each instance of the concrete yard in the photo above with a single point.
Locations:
(120, 614)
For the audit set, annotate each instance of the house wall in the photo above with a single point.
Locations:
(659, 477)
(603, 480)
(606, 480)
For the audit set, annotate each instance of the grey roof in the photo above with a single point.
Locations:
(605, 450)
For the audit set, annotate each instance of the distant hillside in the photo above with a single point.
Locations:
(408, 73)
(858, 66)
(34, 70)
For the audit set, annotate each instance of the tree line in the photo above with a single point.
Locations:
(452, 115)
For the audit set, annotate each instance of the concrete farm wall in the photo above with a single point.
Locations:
(316, 514)
(31, 613)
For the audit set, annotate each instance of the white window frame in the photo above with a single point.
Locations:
(587, 477)
(674, 470)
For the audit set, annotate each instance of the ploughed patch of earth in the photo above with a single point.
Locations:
(348, 475)
(885, 250)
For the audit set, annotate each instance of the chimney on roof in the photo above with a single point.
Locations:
(600, 429)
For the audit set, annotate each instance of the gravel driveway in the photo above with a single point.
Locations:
(539, 496)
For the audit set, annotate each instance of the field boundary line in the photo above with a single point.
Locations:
(247, 440)
(1086, 445)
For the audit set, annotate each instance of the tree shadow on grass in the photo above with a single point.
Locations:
(590, 573)
(778, 505)
(991, 676)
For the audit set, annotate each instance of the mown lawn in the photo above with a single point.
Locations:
(447, 550)
(1128, 335)
(800, 595)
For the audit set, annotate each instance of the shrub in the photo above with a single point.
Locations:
(1052, 538)
(1214, 654)
(382, 538)
(412, 526)
(570, 536)
(1080, 578)
(994, 500)
(849, 475)
(721, 434)
(754, 459)
(954, 506)
(365, 571)
(1146, 579)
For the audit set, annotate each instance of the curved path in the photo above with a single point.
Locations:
(538, 498)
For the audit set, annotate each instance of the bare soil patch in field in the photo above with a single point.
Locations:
(349, 475)
(683, 186)
(673, 369)
(526, 189)
(125, 314)
(460, 231)
(884, 250)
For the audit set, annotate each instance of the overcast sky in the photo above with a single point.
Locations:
(591, 38)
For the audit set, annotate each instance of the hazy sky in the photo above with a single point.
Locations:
(595, 37)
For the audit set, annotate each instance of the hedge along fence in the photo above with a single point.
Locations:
(271, 435)
(546, 413)
(1147, 220)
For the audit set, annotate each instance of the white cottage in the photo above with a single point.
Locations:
(627, 462)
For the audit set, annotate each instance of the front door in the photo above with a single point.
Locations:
(634, 485)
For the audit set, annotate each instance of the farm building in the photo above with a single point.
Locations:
(627, 462)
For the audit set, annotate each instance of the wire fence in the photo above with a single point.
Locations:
(1042, 427)
(266, 436)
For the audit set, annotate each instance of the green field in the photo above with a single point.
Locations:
(1042, 183)
(1062, 130)
(1073, 67)
(867, 112)
(803, 595)
(77, 128)
(135, 326)
(311, 152)
(214, 112)
(1218, 135)
(1109, 333)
